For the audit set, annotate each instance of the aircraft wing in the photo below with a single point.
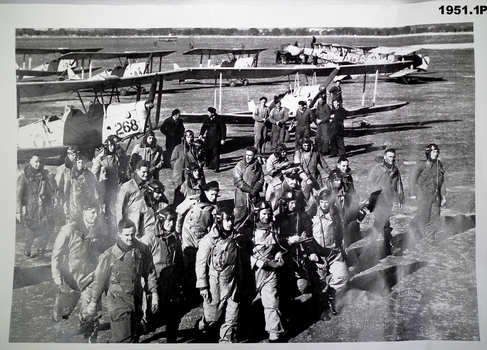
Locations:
(398, 51)
(407, 50)
(374, 109)
(111, 55)
(32, 89)
(246, 117)
(210, 51)
(228, 118)
(403, 72)
(47, 153)
(45, 51)
(35, 73)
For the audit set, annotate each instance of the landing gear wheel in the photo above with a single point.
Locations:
(245, 82)
(233, 83)
(123, 92)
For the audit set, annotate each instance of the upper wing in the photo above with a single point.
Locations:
(111, 55)
(45, 51)
(32, 89)
(210, 51)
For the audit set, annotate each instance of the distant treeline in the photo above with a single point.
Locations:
(416, 29)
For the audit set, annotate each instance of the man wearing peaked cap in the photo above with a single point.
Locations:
(214, 133)
(173, 129)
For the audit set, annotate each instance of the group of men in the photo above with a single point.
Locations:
(286, 235)
(275, 120)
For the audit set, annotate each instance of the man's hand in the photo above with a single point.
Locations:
(293, 239)
(206, 295)
(58, 281)
(222, 142)
(272, 264)
(443, 200)
(313, 257)
(154, 303)
(18, 217)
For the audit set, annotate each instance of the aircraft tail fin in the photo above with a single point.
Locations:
(176, 66)
(251, 105)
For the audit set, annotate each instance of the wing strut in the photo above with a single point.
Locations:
(159, 99)
(220, 102)
(82, 103)
(363, 89)
(375, 87)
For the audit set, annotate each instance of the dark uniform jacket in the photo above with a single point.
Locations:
(214, 130)
(173, 130)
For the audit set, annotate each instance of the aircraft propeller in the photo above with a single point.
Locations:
(149, 104)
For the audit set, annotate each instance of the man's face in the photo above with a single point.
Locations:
(128, 236)
(306, 146)
(279, 105)
(336, 104)
(263, 102)
(227, 222)
(150, 139)
(176, 116)
(336, 182)
(390, 157)
(325, 205)
(265, 216)
(157, 194)
(291, 206)
(189, 138)
(210, 114)
(143, 173)
(292, 182)
(72, 156)
(35, 162)
(80, 163)
(343, 166)
(249, 156)
(302, 107)
(89, 216)
(196, 173)
(169, 224)
(283, 154)
(111, 147)
(434, 154)
(211, 195)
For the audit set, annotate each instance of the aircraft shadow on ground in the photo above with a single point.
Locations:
(28, 276)
(384, 128)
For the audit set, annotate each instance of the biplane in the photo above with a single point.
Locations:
(309, 94)
(128, 62)
(416, 71)
(235, 57)
(90, 126)
(57, 66)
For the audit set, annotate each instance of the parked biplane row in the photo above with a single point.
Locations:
(332, 55)
(88, 127)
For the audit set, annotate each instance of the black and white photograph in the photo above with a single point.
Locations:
(251, 173)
